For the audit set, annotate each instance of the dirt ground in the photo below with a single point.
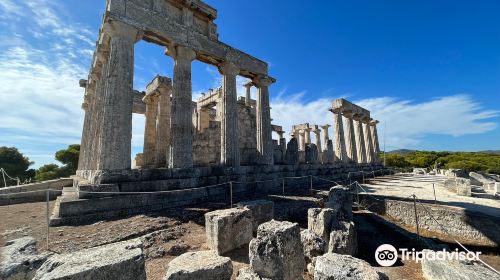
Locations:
(169, 233)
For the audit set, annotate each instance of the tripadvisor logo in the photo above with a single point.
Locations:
(387, 255)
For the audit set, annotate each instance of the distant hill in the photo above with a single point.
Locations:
(402, 152)
(495, 152)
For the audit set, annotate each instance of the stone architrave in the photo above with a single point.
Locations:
(326, 136)
(360, 139)
(163, 132)
(150, 137)
(350, 137)
(263, 120)
(338, 126)
(181, 148)
(115, 134)
(230, 151)
(376, 146)
(368, 140)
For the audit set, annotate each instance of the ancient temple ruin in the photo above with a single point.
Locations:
(191, 144)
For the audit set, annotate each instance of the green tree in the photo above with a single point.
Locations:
(68, 157)
(15, 164)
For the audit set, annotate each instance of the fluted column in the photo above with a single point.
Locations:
(230, 151)
(97, 106)
(368, 140)
(302, 140)
(116, 125)
(263, 116)
(360, 139)
(326, 136)
(248, 87)
(338, 127)
(307, 132)
(149, 152)
(376, 146)
(350, 138)
(86, 132)
(317, 134)
(181, 126)
(163, 133)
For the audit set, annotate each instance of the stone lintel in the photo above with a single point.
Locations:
(277, 128)
(341, 105)
(158, 84)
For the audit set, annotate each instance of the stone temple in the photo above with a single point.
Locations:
(190, 145)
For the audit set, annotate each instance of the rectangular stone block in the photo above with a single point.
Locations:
(261, 210)
(228, 229)
(320, 221)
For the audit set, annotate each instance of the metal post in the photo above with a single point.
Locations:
(231, 192)
(48, 218)
(3, 175)
(416, 216)
(434, 189)
(283, 185)
(311, 184)
(357, 193)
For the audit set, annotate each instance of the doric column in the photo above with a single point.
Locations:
(282, 140)
(116, 123)
(326, 136)
(263, 116)
(163, 133)
(317, 134)
(149, 152)
(350, 137)
(338, 127)
(307, 132)
(181, 126)
(302, 141)
(248, 87)
(368, 140)
(360, 139)
(375, 143)
(97, 105)
(230, 151)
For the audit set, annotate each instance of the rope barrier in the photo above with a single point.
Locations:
(4, 173)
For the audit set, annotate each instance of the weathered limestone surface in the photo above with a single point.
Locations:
(122, 260)
(460, 185)
(199, 265)
(20, 259)
(181, 120)
(444, 270)
(326, 136)
(228, 229)
(328, 155)
(320, 221)
(376, 145)
(343, 239)
(360, 139)
(338, 127)
(163, 133)
(350, 137)
(311, 153)
(333, 266)
(368, 140)
(317, 136)
(277, 252)
(340, 200)
(261, 211)
(481, 180)
(313, 244)
(292, 152)
(248, 274)
(263, 111)
(230, 151)
(150, 138)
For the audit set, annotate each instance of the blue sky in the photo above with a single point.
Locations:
(429, 70)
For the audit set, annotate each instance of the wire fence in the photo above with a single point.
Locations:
(229, 193)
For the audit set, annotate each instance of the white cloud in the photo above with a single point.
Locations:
(407, 121)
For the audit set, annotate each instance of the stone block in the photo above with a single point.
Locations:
(277, 252)
(248, 274)
(333, 266)
(340, 199)
(343, 239)
(97, 190)
(292, 152)
(206, 265)
(261, 210)
(320, 221)
(122, 260)
(313, 245)
(228, 229)
(452, 269)
(20, 259)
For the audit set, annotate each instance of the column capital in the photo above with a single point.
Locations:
(114, 28)
(374, 122)
(347, 113)
(357, 117)
(150, 98)
(249, 85)
(228, 68)
(263, 81)
(366, 120)
(336, 110)
(179, 52)
(326, 126)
